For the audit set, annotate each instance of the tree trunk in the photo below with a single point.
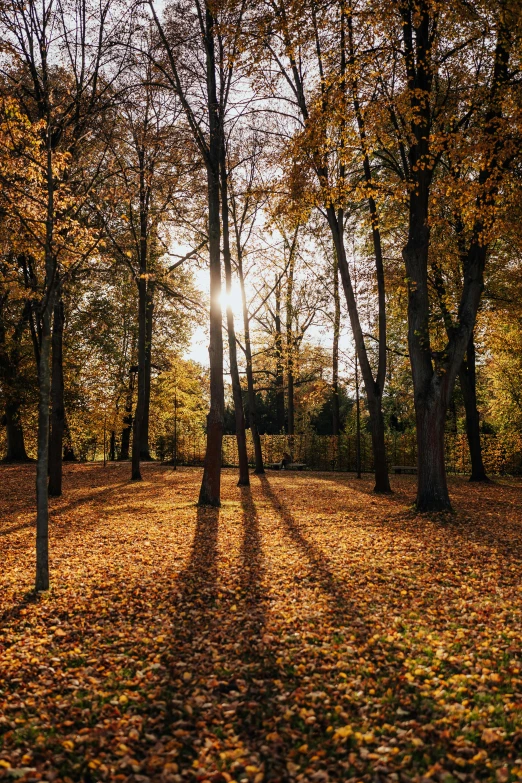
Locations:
(372, 388)
(335, 351)
(210, 491)
(144, 196)
(57, 402)
(244, 477)
(42, 500)
(252, 406)
(432, 489)
(279, 378)
(144, 429)
(112, 446)
(290, 347)
(140, 404)
(468, 384)
(15, 435)
(43, 352)
(357, 421)
(432, 389)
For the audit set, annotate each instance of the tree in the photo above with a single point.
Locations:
(188, 37)
(426, 48)
(321, 146)
(57, 57)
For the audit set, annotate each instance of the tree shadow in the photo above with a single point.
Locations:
(252, 568)
(343, 606)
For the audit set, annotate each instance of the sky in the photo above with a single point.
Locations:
(319, 335)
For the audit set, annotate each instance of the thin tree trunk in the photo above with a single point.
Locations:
(144, 429)
(335, 351)
(42, 500)
(15, 435)
(290, 348)
(252, 405)
(372, 388)
(140, 404)
(142, 321)
(244, 477)
(357, 421)
(279, 378)
(112, 446)
(44, 387)
(57, 402)
(468, 384)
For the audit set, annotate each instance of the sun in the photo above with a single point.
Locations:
(233, 300)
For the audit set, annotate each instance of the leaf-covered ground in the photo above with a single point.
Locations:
(306, 631)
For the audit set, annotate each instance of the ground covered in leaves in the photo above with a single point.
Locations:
(306, 631)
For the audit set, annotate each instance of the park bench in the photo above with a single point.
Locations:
(404, 469)
(291, 466)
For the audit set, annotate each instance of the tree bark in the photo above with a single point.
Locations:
(42, 499)
(142, 282)
(112, 446)
(252, 405)
(279, 377)
(144, 429)
(210, 491)
(468, 385)
(15, 435)
(432, 489)
(140, 403)
(372, 388)
(290, 347)
(43, 352)
(244, 477)
(57, 402)
(335, 350)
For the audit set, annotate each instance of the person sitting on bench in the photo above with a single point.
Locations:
(287, 459)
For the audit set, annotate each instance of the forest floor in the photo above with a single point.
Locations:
(307, 630)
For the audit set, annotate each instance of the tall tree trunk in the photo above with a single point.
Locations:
(335, 350)
(357, 421)
(210, 491)
(43, 352)
(15, 435)
(144, 429)
(252, 405)
(57, 402)
(290, 347)
(468, 385)
(372, 388)
(140, 403)
(244, 478)
(279, 378)
(144, 196)
(42, 499)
